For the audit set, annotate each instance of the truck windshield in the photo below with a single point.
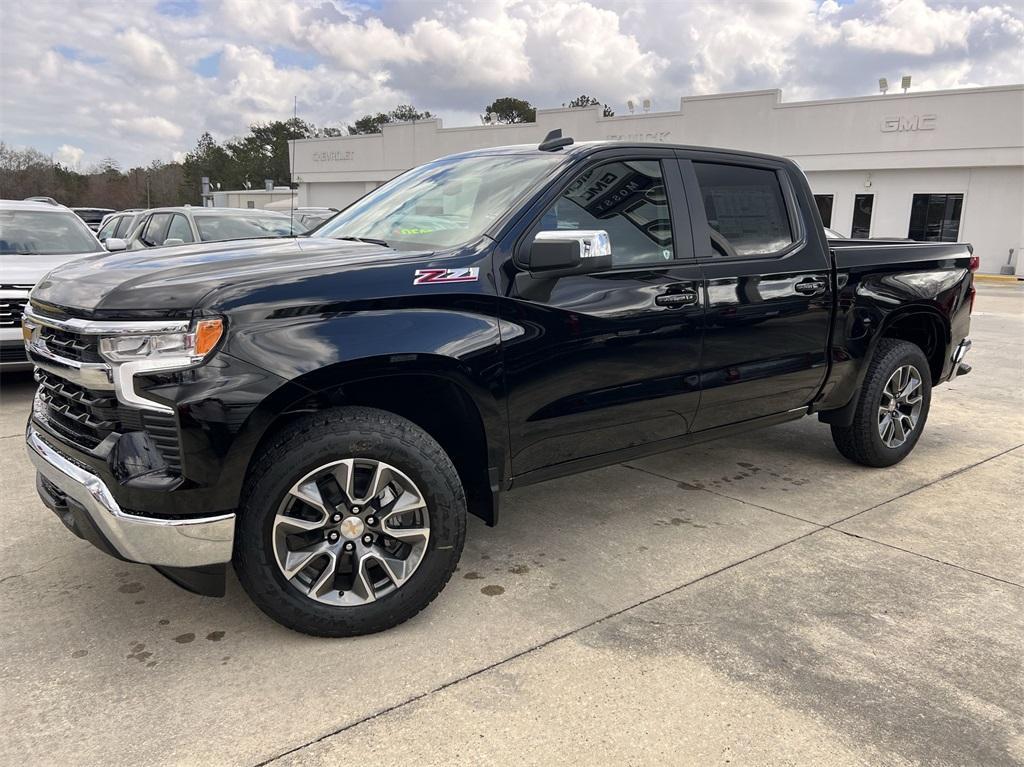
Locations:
(44, 233)
(441, 204)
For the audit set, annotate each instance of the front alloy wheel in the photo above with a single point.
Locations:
(352, 520)
(351, 531)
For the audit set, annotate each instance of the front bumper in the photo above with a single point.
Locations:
(87, 507)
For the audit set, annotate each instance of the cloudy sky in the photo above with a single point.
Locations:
(141, 79)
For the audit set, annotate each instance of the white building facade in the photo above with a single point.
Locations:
(938, 165)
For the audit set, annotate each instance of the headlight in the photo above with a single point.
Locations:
(165, 350)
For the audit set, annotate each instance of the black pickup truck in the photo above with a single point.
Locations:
(324, 411)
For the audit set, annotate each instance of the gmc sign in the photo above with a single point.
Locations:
(903, 124)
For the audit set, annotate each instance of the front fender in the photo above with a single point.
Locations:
(320, 353)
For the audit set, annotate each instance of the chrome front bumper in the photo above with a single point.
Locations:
(165, 542)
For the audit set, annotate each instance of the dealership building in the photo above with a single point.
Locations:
(936, 165)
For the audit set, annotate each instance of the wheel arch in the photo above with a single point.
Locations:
(920, 324)
(925, 327)
(431, 392)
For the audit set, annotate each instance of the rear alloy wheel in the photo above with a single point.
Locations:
(892, 406)
(900, 406)
(352, 521)
(351, 531)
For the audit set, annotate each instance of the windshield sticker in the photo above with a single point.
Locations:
(433, 276)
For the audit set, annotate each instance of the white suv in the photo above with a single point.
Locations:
(35, 237)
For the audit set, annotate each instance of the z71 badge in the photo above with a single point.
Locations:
(435, 276)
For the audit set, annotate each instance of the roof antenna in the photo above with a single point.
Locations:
(291, 171)
(554, 141)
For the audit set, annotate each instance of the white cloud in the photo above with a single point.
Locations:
(123, 80)
(70, 156)
(157, 127)
(147, 57)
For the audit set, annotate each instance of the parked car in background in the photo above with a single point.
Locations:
(180, 226)
(34, 238)
(313, 217)
(119, 224)
(93, 217)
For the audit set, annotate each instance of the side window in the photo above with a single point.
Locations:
(180, 228)
(746, 207)
(627, 199)
(156, 229)
(107, 230)
(124, 226)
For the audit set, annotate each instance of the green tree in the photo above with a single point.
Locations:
(207, 159)
(510, 110)
(589, 101)
(403, 113)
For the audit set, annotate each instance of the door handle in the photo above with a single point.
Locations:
(676, 300)
(811, 287)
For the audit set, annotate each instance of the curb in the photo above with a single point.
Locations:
(1002, 279)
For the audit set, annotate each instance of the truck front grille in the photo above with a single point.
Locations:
(73, 346)
(85, 417)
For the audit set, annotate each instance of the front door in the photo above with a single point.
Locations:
(768, 285)
(599, 362)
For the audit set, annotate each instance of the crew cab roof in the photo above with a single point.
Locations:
(581, 148)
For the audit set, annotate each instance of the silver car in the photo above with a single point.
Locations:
(178, 226)
(35, 237)
(120, 224)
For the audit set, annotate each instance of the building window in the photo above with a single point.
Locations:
(250, 204)
(824, 203)
(862, 207)
(935, 217)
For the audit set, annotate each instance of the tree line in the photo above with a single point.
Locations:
(237, 163)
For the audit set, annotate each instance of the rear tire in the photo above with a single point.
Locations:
(892, 407)
(373, 568)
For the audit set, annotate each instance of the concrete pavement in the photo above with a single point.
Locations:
(757, 600)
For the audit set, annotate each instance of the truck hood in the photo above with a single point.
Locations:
(173, 281)
(18, 269)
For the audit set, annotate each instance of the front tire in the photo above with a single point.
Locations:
(352, 521)
(892, 407)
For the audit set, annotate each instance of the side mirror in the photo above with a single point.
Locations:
(571, 251)
(114, 244)
(173, 241)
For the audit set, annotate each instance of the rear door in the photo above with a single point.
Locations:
(768, 286)
(608, 360)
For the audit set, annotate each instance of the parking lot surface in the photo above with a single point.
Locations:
(757, 600)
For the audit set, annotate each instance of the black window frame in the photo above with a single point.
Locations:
(871, 215)
(679, 214)
(947, 195)
(703, 232)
